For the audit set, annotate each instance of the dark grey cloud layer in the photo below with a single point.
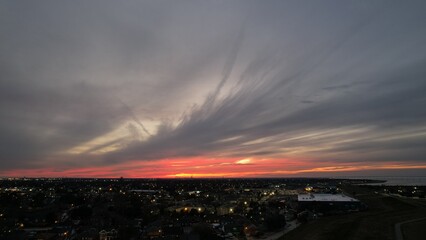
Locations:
(322, 80)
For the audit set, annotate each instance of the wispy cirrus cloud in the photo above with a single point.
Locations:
(240, 80)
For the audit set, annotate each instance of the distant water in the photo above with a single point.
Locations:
(397, 181)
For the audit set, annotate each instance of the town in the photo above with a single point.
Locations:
(55, 208)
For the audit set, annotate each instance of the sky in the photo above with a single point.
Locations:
(216, 88)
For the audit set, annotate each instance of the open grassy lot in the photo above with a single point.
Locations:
(414, 230)
(376, 223)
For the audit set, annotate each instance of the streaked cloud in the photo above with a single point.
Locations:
(99, 85)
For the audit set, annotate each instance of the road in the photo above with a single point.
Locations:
(398, 230)
(276, 235)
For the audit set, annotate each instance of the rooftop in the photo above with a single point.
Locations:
(325, 198)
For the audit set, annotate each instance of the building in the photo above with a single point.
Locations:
(105, 235)
(328, 203)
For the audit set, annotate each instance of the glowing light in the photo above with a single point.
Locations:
(244, 161)
(198, 167)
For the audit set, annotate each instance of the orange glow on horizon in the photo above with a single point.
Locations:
(207, 168)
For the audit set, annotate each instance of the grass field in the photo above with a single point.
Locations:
(375, 223)
(414, 231)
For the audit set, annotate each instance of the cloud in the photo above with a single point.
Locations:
(243, 161)
(264, 108)
(220, 79)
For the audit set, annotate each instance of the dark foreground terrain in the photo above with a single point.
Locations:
(378, 222)
(218, 209)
